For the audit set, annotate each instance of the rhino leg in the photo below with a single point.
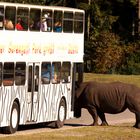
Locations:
(135, 109)
(103, 119)
(93, 113)
(137, 124)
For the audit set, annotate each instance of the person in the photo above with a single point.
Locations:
(18, 25)
(58, 26)
(8, 24)
(46, 75)
(44, 23)
(31, 25)
(49, 74)
(1, 18)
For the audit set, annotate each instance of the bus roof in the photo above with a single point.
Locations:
(41, 6)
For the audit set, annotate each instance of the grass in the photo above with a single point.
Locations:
(132, 79)
(116, 132)
(124, 132)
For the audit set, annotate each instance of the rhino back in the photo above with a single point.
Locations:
(108, 97)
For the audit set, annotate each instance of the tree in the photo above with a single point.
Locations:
(116, 21)
(139, 17)
(54, 2)
(113, 19)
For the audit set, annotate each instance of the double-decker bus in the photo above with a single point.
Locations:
(41, 54)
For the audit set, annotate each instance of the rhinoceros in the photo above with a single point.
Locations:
(100, 98)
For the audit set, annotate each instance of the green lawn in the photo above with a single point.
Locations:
(133, 79)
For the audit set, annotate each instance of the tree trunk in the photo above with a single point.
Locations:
(139, 17)
(88, 25)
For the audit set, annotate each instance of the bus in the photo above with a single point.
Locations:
(41, 59)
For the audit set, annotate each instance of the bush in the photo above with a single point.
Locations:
(106, 52)
(131, 64)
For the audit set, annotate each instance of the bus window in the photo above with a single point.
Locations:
(22, 18)
(1, 73)
(1, 17)
(56, 67)
(8, 74)
(65, 72)
(78, 22)
(46, 20)
(9, 21)
(30, 78)
(20, 71)
(57, 27)
(34, 24)
(68, 22)
(36, 78)
(46, 72)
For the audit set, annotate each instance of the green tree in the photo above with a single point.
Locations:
(105, 52)
(110, 28)
(111, 21)
(131, 61)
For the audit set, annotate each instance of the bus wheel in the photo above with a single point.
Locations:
(14, 120)
(61, 114)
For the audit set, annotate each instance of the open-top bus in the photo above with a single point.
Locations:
(41, 52)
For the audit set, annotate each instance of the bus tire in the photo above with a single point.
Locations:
(14, 120)
(61, 114)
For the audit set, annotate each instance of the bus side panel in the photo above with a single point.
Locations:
(50, 96)
(5, 105)
(7, 96)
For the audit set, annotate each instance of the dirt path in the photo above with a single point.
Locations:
(84, 120)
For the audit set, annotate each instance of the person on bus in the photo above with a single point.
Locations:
(49, 74)
(19, 25)
(46, 74)
(58, 26)
(44, 23)
(8, 24)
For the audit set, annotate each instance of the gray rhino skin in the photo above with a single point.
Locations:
(113, 98)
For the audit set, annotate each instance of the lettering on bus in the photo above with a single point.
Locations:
(1, 50)
(21, 51)
(48, 50)
(73, 50)
(36, 50)
(43, 51)
(26, 51)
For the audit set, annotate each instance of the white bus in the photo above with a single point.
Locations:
(41, 48)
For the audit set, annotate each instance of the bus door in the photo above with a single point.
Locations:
(33, 87)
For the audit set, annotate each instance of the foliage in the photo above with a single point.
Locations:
(131, 64)
(26, 1)
(108, 53)
(109, 33)
(111, 37)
